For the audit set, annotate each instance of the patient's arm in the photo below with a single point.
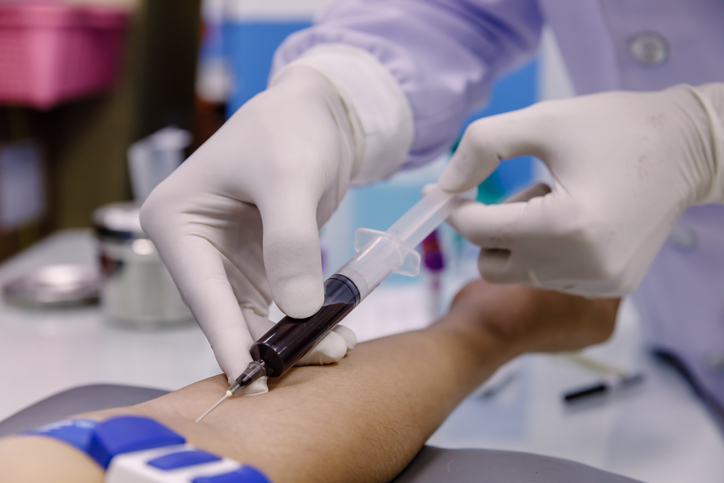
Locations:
(365, 418)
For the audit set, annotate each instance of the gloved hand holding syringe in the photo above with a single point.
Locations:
(379, 255)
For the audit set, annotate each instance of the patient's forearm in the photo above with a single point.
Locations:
(365, 418)
(361, 420)
(39, 460)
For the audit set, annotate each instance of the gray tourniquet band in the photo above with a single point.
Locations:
(81, 399)
(431, 465)
(435, 465)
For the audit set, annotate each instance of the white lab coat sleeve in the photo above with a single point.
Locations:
(441, 54)
(711, 97)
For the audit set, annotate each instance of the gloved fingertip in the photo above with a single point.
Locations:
(451, 180)
(292, 257)
(459, 215)
(350, 338)
(257, 387)
(428, 188)
(233, 368)
(231, 349)
(330, 350)
(494, 265)
(300, 298)
(334, 348)
(502, 267)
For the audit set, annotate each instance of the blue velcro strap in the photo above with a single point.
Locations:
(76, 432)
(245, 474)
(183, 459)
(125, 434)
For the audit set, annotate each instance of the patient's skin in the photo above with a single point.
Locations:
(366, 417)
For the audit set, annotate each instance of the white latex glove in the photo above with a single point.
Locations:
(237, 223)
(625, 165)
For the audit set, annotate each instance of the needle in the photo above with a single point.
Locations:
(227, 395)
(254, 371)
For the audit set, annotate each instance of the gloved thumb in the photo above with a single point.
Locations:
(292, 254)
(485, 144)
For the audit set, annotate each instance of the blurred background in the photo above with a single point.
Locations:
(82, 80)
(101, 99)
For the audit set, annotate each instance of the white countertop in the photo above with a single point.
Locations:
(658, 433)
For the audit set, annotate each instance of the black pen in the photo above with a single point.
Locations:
(607, 386)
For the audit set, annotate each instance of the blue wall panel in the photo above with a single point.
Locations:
(249, 48)
(516, 90)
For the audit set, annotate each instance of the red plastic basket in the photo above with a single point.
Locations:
(51, 52)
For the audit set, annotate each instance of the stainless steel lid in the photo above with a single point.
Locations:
(55, 286)
(118, 222)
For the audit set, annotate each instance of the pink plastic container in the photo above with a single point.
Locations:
(51, 52)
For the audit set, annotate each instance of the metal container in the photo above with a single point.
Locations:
(137, 289)
(54, 287)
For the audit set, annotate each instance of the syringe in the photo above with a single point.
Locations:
(379, 255)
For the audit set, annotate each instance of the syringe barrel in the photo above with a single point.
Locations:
(374, 263)
(391, 250)
(290, 339)
(427, 214)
